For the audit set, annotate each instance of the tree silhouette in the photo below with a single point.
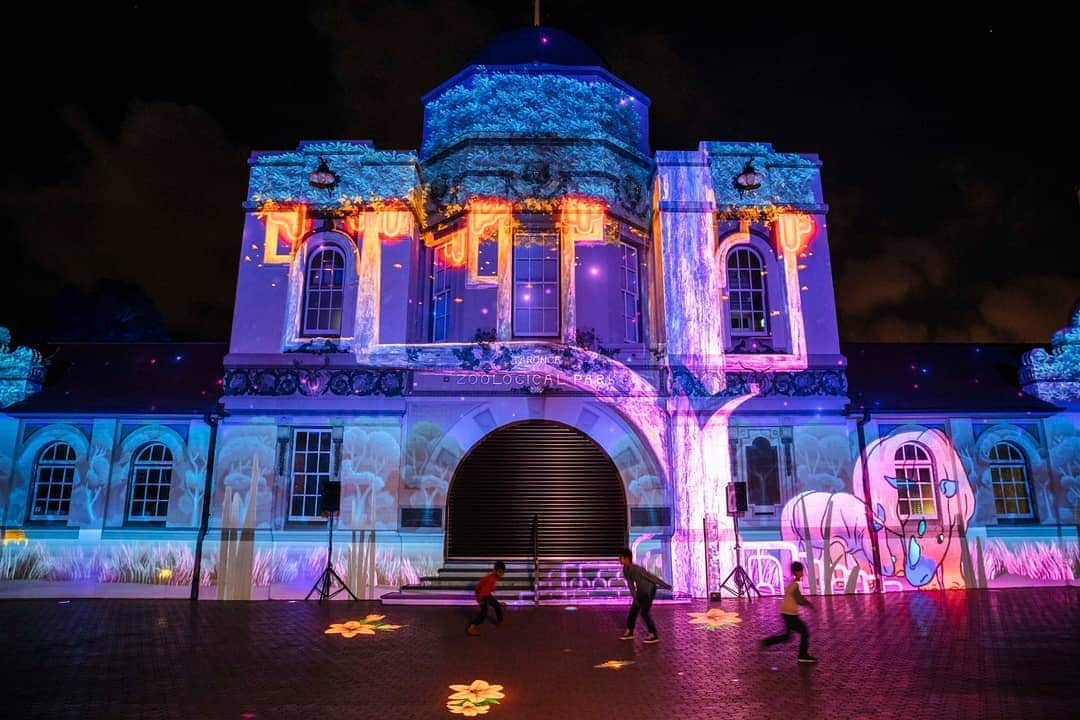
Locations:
(114, 311)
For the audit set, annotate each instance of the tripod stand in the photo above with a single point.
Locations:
(323, 583)
(738, 576)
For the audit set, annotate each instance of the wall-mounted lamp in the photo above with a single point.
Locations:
(749, 179)
(323, 177)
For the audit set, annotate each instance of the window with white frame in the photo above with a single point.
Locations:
(536, 284)
(1009, 476)
(748, 307)
(628, 264)
(151, 477)
(915, 482)
(440, 295)
(324, 293)
(311, 467)
(54, 476)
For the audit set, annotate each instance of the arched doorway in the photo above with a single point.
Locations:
(541, 468)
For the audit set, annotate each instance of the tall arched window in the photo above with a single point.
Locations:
(915, 482)
(747, 296)
(151, 476)
(53, 477)
(1009, 476)
(324, 293)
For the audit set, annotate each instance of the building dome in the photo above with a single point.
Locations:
(537, 45)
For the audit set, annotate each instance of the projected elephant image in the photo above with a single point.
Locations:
(921, 504)
(830, 531)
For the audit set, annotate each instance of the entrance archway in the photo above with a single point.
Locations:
(541, 468)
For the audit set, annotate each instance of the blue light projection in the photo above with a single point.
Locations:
(532, 104)
(1055, 376)
(366, 175)
(791, 181)
(21, 371)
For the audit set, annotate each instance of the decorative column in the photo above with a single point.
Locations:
(692, 286)
(701, 469)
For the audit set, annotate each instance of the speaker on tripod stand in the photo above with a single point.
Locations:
(330, 506)
(737, 506)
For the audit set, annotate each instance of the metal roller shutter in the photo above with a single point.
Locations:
(542, 468)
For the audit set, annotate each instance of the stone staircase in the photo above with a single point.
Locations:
(559, 582)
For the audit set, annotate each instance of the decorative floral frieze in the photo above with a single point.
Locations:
(537, 169)
(1054, 376)
(21, 371)
(538, 103)
(803, 383)
(789, 181)
(364, 175)
(313, 382)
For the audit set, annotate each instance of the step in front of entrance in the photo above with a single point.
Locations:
(558, 582)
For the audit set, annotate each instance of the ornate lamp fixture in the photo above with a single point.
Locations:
(749, 179)
(323, 177)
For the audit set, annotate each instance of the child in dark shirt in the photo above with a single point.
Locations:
(642, 585)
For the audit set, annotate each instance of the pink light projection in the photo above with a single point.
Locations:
(702, 454)
(920, 525)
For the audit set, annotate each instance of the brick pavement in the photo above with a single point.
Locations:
(986, 654)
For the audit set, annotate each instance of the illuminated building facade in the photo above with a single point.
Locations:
(539, 337)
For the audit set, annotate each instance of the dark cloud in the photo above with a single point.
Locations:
(158, 205)
(950, 162)
(988, 264)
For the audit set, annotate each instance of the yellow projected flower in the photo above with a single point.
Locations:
(478, 692)
(367, 626)
(614, 664)
(714, 618)
(349, 629)
(467, 709)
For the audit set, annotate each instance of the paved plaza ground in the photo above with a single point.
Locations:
(984, 654)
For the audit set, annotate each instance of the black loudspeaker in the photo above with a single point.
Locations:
(736, 498)
(329, 496)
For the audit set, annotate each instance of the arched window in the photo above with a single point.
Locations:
(151, 476)
(915, 482)
(324, 293)
(747, 296)
(53, 478)
(1009, 476)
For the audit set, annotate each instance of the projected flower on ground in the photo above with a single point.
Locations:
(714, 618)
(367, 626)
(467, 708)
(474, 699)
(614, 664)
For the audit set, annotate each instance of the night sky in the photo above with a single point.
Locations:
(951, 161)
